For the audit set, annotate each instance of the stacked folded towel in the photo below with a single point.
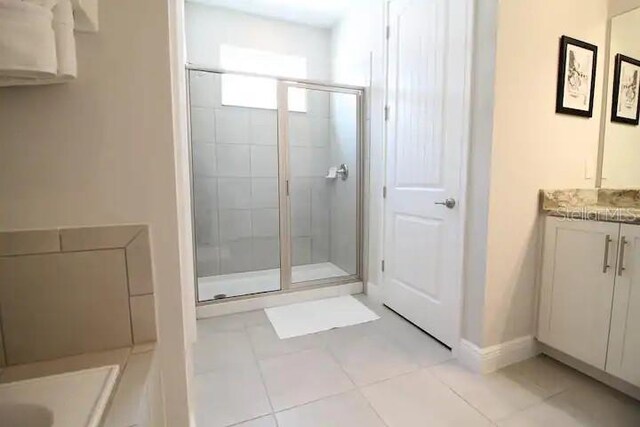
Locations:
(37, 43)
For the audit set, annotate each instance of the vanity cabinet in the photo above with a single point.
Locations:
(590, 294)
(623, 358)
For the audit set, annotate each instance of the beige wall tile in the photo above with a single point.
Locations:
(29, 242)
(139, 265)
(66, 364)
(80, 239)
(64, 304)
(143, 319)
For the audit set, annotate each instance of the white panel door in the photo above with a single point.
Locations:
(578, 275)
(426, 90)
(623, 359)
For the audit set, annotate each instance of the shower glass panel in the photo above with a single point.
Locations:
(235, 187)
(323, 146)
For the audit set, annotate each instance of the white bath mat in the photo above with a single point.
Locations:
(316, 316)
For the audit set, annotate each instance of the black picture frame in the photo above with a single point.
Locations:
(617, 80)
(578, 77)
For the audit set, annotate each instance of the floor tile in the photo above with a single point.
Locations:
(302, 377)
(229, 396)
(212, 325)
(595, 404)
(369, 357)
(268, 421)
(232, 322)
(222, 350)
(544, 414)
(344, 410)
(546, 373)
(423, 349)
(254, 318)
(589, 404)
(266, 342)
(419, 399)
(496, 395)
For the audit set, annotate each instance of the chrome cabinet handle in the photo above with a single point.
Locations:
(623, 244)
(450, 203)
(607, 243)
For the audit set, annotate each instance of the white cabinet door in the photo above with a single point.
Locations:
(623, 360)
(578, 277)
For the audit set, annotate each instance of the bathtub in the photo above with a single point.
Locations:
(74, 399)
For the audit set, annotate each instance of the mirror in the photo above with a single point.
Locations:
(620, 150)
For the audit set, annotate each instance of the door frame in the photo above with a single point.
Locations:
(282, 111)
(458, 280)
(284, 178)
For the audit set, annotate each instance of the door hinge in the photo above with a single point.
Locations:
(382, 265)
(386, 113)
(388, 32)
(384, 192)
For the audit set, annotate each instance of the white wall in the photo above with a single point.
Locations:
(479, 172)
(358, 58)
(209, 27)
(532, 148)
(100, 150)
(622, 141)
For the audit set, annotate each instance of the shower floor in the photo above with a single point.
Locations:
(264, 280)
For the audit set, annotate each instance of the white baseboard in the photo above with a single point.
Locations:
(490, 359)
(274, 300)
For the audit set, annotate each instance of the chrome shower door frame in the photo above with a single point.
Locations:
(284, 177)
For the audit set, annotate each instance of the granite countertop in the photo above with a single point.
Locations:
(595, 204)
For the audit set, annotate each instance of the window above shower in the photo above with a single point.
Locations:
(260, 92)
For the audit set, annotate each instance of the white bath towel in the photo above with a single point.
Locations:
(65, 40)
(27, 39)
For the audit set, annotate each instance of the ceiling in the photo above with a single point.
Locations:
(318, 13)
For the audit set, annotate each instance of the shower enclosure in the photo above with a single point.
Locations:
(277, 176)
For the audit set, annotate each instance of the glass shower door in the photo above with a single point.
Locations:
(323, 175)
(235, 187)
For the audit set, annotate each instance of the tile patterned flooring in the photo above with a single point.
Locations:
(382, 373)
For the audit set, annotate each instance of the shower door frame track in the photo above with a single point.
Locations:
(284, 83)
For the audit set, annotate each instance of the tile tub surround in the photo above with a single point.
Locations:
(593, 204)
(133, 400)
(71, 291)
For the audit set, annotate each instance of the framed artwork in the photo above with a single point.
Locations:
(626, 83)
(576, 77)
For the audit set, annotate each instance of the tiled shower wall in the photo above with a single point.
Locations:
(235, 164)
(343, 194)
